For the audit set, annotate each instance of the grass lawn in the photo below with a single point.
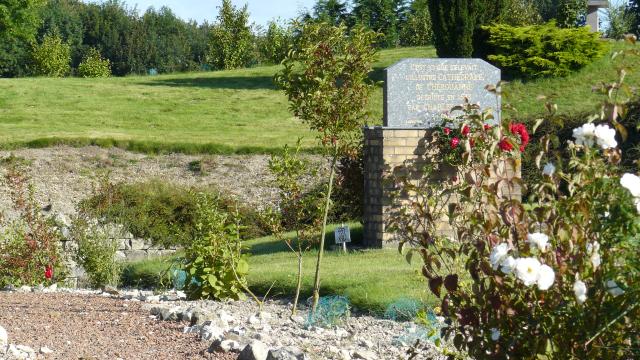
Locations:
(371, 279)
(237, 111)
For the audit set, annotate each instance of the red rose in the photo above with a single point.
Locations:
(447, 131)
(465, 130)
(487, 127)
(48, 272)
(521, 131)
(505, 145)
(472, 142)
(521, 148)
(455, 142)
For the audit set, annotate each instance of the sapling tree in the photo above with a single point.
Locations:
(298, 210)
(326, 80)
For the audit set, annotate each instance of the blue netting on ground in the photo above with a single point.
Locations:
(428, 330)
(179, 278)
(331, 310)
(403, 310)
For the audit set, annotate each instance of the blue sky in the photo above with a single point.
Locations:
(261, 10)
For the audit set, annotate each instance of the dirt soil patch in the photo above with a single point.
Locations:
(94, 327)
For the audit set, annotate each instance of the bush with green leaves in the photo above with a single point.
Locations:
(30, 243)
(161, 212)
(231, 42)
(542, 50)
(95, 252)
(52, 57)
(94, 66)
(275, 43)
(570, 12)
(556, 277)
(215, 265)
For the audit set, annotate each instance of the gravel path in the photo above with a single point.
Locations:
(95, 327)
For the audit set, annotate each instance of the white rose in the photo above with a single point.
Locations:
(546, 277)
(508, 265)
(548, 170)
(606, 137)
(585, 135)
(495, 334)
(580, 290)
(614, 289)
(593, 249)
(538, 240)
(498, 254)
(631, 182)
(527, 270)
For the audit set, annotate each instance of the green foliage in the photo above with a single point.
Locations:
(381, 16)
(542, 50)
(18, 24)
(456, 21)
(521, 13)
(326, 79)
(332, 12)
(620, 20)
(633, 11)
(95, 252)
(160, 212)
(62, 18)
(231, 44)
(275, 43)
(570, 12)
(52, 57)
(29, 244)
(215, 266)
(417, 30)
(94, 66)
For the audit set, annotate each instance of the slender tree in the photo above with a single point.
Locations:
(334, 12)
(231, 38)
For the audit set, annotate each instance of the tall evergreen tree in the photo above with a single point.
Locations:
(417, 30)
(456, 21)
(634, 11)
(383, 16)
(334, 12)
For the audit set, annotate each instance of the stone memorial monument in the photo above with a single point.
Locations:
(417, 93)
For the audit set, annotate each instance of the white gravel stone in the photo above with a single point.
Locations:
(45, 350)
(4, 338)
(256, 350)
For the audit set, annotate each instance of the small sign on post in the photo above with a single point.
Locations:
(343, 236)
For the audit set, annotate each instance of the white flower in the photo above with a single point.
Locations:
(593, 249)
(508, 265)
(539, 240)
(614, 289)
(527, 270)
(585, 135)
(498, 254)
(631, 182)
(549, 169)
(495, 334)
(546, 277)
(637, 201)
(580, 289)
(606, 137)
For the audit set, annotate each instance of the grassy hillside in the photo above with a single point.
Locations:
(215, 112)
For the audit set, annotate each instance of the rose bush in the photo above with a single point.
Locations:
(555, 276)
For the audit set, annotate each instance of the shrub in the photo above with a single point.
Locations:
(52, 57)
(541, 50)
(29, 247)
(556, 277)
(275, 43)
(94, 66)
(161, 212)
(215, 265)
(571, 12)
(231, 40)
(95, 252)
